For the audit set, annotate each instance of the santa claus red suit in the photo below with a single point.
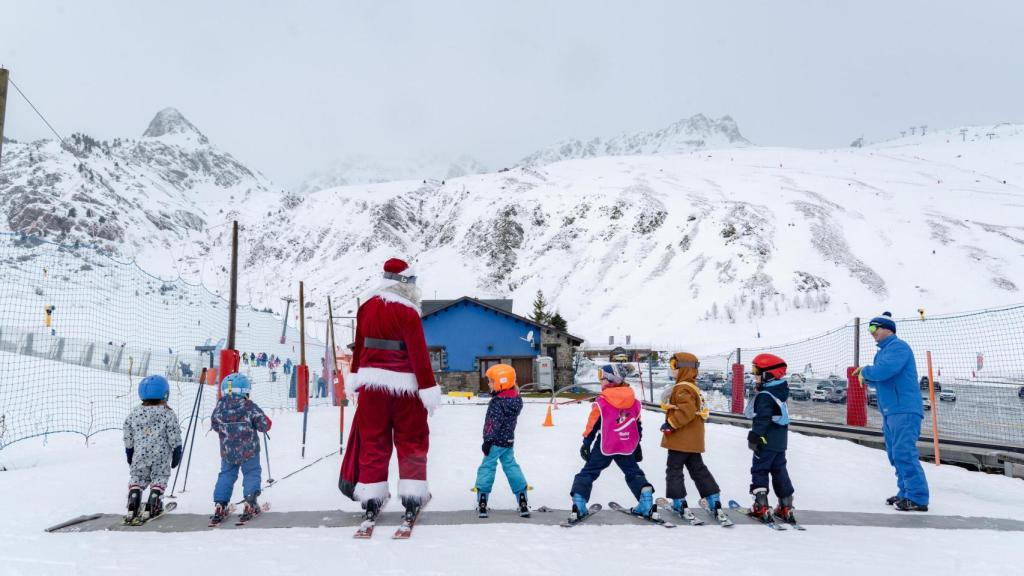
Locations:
(392, 374)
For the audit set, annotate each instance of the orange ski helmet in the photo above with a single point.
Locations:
(502, 377)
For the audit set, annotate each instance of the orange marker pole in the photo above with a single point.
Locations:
(935, 408)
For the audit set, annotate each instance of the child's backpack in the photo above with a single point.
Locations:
(780, 419)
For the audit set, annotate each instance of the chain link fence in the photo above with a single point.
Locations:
(78, 329)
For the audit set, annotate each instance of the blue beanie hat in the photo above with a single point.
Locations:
(884, 321)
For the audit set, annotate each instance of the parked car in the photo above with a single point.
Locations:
(837, 395)
(872, 396)
(947, 395)
(926, 403)
(819, 395)
(924, 384)
(704, 382)
(796, 378)
(798, 392)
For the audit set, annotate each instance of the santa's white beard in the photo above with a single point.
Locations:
(410, 292)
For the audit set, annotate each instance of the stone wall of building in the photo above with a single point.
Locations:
(458, 381)
(564, 353)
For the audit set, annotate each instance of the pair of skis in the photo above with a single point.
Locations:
(144, 517)
(243, 519)
(403, 532)
(595, 508)
(771, 520)
(687, 514)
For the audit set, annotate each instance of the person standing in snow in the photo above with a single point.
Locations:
(614, 425)
(685, 413)
(769, 438)
(391, 371)
(499, 436)
(894, 374)
(152, 445)
(237, 420)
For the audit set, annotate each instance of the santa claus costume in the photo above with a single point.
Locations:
(392, 374)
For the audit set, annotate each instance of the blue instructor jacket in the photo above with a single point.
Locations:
(894, 374)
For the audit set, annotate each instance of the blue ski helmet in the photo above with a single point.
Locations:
(154, 387)
(235, 383)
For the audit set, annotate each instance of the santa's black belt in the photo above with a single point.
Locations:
(381, 344)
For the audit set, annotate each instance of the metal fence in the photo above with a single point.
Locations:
(78, 329)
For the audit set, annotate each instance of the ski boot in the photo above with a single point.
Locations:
(908, 505)
(761, 509)
(481, 505)
(679, 505)
(134, 506)
(892, 500)
(645, 506)
(251, 509)
(524, 506)
(372, 510)
(155, 504)
(220, 512)
(579, 508)
(784, 511)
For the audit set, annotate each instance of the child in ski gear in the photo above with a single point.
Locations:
(614, 424)
(152, 445)
(499, 436)
(894, 375)
(685, 413)
(238, 420)
(768, 437)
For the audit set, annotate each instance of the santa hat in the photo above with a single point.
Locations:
(399, 271)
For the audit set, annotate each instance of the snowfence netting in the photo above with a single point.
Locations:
(80, 328)
(977, 363)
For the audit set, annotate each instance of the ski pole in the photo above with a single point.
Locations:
(188, 430)
(266, 449)
(305, 420)
(195, 432)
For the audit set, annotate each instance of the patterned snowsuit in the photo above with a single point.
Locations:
(153, 432)
(237, 420)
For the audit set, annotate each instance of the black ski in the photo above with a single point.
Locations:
(653, 519)
(591, 510)
(769, 521)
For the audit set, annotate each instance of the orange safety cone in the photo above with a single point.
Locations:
(547, 419)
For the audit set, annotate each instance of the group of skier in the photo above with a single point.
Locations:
(392, 373)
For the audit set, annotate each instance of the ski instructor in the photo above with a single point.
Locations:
(894, 375)
(392, 374)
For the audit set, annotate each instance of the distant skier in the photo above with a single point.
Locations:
(499, 437)
(768, 438)
(152, 445)
(238, 420)
(894, 375)
(685, 413)
(614, 425)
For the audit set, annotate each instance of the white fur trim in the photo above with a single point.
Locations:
(398, 383)
(375, 491)
(431, 398)
(417, 489)
(388, 296)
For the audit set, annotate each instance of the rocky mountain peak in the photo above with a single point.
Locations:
(170, 121)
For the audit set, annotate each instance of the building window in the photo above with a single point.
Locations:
(438, 359)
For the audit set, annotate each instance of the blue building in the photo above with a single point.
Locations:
(467, 336)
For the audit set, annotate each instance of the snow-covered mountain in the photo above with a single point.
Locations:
(706, 248)
(680, 137)
(359, 169)
(154, 198)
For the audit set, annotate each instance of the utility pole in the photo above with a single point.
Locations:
(234, 286)
(913, 130)
(4, 75)
(963, 134)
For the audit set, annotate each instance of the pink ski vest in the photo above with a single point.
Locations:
(619, 431)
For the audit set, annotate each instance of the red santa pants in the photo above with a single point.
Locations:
(384, 419)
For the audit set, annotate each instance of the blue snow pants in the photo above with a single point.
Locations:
(485, 473)
(774, 463)
(901, 434)
(251, 473)
(584, 481)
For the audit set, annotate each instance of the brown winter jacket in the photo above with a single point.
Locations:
(682, 412)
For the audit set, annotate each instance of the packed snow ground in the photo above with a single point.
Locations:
(50, 480)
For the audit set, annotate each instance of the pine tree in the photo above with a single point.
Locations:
(540, 309)
(559, 323)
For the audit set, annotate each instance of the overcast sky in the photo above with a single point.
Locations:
(289, 86)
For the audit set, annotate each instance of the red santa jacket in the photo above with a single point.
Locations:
(390, 317)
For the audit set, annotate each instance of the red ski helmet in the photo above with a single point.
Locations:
(769, 364)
